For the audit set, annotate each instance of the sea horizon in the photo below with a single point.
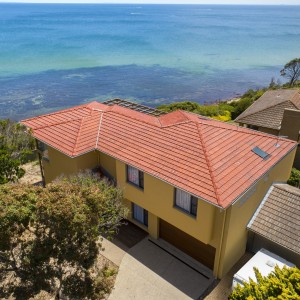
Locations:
(55, 56)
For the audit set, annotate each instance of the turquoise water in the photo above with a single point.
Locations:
(54, 56)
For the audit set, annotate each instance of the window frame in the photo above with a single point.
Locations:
(141, 184)
(145, 215)
(193, 204)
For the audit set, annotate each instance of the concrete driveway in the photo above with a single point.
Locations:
(146, 271)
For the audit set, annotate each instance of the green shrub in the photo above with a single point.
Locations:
(280, 284)
(246, 100)
(294, 179)
(221, 111)
(16, 147)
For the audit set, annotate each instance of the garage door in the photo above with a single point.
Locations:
(186, 243)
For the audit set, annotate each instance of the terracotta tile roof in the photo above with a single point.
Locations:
(278, 217)
(268, 110)
(207, 158)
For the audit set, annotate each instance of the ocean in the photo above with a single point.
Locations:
(54, 56)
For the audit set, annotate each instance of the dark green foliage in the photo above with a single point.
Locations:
(241, 106)
(49, 237)
(294, 179)
(222, 110)
(10, 169)
(291, 71)
(246, 100)
(16, 144)
(186, 105)
(280, 284)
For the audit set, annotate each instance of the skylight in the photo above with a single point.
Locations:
(264, 155)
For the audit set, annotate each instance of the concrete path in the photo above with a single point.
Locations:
(147, 272)
(113, 252)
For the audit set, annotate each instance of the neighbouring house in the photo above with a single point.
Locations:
(276, 223)
(190, 180)
(275, 112)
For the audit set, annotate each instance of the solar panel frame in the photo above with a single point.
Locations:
(134, 106)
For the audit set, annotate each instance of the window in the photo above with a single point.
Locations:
(264, 155)
(43, 150)
(135, 177)
(139, 214)
(185, 201)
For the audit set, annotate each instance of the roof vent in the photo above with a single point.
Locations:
(264, 155)
(270, 263)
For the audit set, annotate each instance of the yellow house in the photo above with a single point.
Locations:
(190, 180)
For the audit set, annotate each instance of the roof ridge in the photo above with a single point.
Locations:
(260, 110)
(264, 200)
(208, 164)
(99, 127)
(283, 186)
(78, 133)
(297, 98)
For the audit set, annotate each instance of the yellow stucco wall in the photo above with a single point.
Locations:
(108, 163)
(60, 164)
(239, 214)
(290, 127)
(268, 130)
(158, 198)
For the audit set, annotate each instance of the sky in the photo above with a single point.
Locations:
(255, 2)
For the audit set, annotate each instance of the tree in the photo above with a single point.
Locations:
(294, 178)
(15, 146)
(49, 237)
(246, 100)
(291, 71)
(280, 284)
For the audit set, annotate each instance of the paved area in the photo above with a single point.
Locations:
(112, 252)
(148, 272)
(128, 236)
(223, 288)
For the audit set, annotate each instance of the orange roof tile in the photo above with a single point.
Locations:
(207, 158)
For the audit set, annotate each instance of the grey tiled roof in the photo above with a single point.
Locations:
(278, 217)
(268, 110)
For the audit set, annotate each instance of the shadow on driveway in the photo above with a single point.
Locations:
(148, 272)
